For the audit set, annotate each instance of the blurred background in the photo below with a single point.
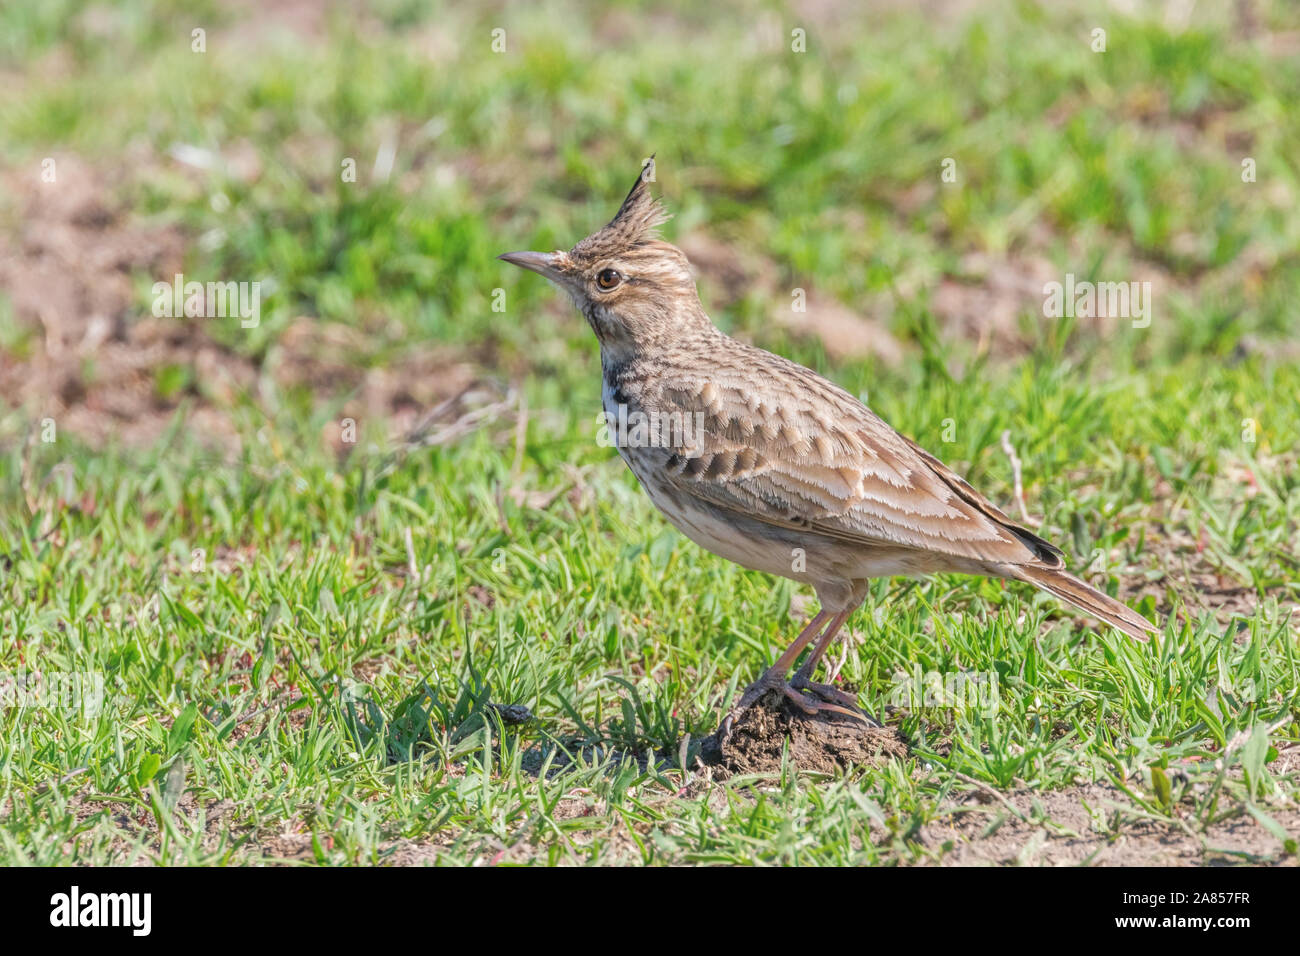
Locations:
(476, 129)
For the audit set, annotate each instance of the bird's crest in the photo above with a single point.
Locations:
(636, 222)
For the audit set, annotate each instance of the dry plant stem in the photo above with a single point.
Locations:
(1015, 474)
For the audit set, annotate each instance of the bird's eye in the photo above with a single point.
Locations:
(608, 279)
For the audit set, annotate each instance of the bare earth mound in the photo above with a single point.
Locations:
(822, 743)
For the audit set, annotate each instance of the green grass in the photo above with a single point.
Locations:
(270, 660)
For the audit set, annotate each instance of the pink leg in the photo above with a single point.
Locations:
(774, 677)
(825, 691)
(828, 692)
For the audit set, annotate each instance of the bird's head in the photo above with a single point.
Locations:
(633, 287)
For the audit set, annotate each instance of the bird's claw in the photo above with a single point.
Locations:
(812, 705)
(832, 700)
(826, 692)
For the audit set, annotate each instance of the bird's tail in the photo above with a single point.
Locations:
(1085, 597)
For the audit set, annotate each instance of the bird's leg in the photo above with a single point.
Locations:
(774, 677)
(827, 692)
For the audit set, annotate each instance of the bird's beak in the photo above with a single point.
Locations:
(543, 263)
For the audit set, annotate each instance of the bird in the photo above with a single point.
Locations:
(768, 464)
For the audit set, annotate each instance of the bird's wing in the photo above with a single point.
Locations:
(782, 444)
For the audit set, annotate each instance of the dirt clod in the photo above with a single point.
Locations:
(821, 743)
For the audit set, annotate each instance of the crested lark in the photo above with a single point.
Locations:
(787, 473)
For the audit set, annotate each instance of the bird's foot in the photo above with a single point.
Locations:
(827, 692)
(772, 679)
(833, 701)
(833, 695)
(817, 705)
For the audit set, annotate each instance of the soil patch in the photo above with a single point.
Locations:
(77, 353)
(83, 349)
(1098, 825)
(821, 743)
